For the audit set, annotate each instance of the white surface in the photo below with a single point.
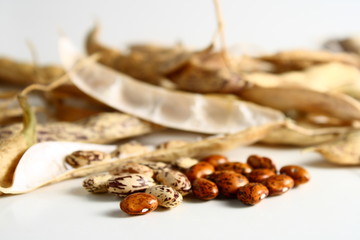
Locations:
(325, 208)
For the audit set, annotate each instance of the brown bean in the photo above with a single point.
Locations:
(299, 174)
(139, 204)
(260, 174)
(238, 167)
(252, 193)
(279, 184)
(204, 189)
(199, 170)
(228, 182)
(215, 160)
(256, 161)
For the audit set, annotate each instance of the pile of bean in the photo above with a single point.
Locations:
(145, 186)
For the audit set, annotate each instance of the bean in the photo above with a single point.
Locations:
(83, 158)
(215, 160)
(175, 179)
(279, 184)
(228, 182)
(260, 174)
(256, 161)
(204, 189)
(299, 174)
(166, 196)
(132, 168)
(97, 183)
(199, 170)
(128, 183)
(238, 167)
(252, 193)
(139, 204)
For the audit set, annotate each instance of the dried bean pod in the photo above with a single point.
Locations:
(175, 179)
(97, 183)
(166, 196)
(172, 144)
(83, 158)
(129, 183)
(139, 204)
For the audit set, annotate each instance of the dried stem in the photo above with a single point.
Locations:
(220, 31)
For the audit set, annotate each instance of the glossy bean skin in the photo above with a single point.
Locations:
(167, 197)
(299, 174)
(228, 182)
(199, 170)
(204, 189)
(252, 193)
(215, 159)
(279, 184)
(260, 174)
(238, 167)
(132, 168)
(129, 183)
(256, 161)
(139, 204)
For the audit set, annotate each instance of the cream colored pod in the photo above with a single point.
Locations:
(97, 183)
(166, 196)
(128, 183)
(175, 179)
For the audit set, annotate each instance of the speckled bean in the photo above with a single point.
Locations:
(299, 174)
(216, 160)
(260, 174)
(83, 158)
(204, 189)
(185, 163)
(199, 170)
(128, 183)
(228, 182)
(256, 161)
(175, 179)
(97, 183)
(166, 196)
(252, 193)
(238, 167)
(139, 204)
(132, 168)
(279, 184)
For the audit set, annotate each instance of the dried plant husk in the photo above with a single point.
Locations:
(296, 135)
(29, 174)
(344, 151)
(332, 104)
(179, 110)
(147, 63)
(12, 147)
(301, 59)
(323, 77)
(100, 128)
(23, 74)
(204, 71)
(350, 44)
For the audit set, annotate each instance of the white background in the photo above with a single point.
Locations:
(266, 25)
(326, 208)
